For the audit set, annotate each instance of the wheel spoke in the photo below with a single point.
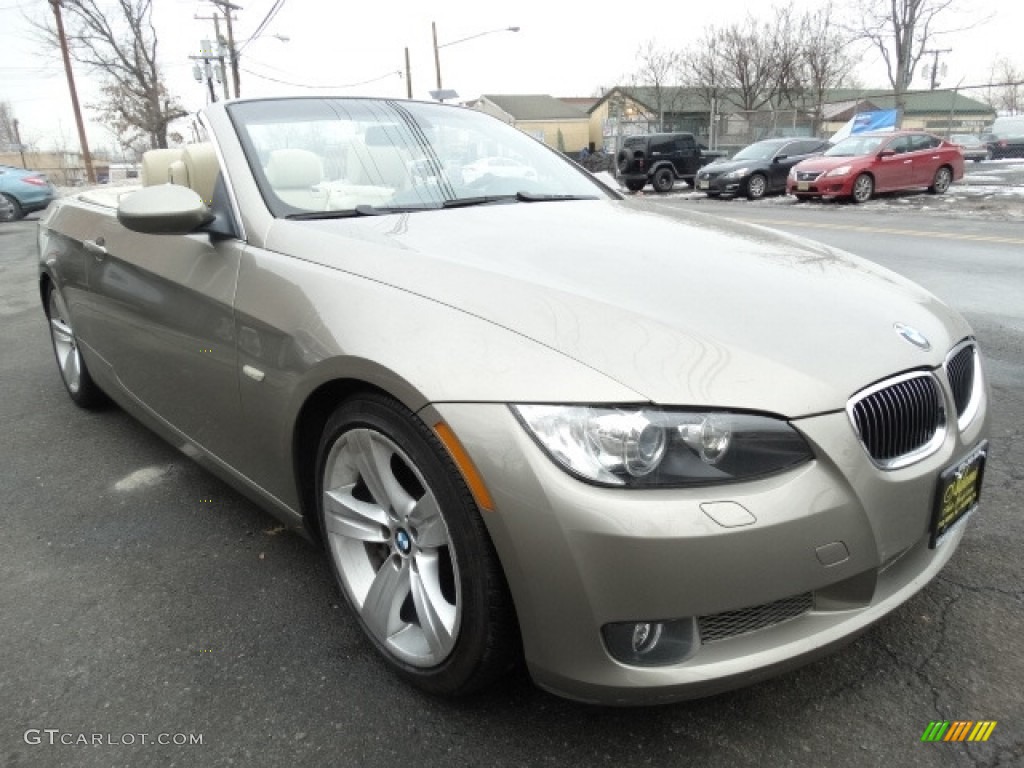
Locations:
(61, 332)
(347, 516)
(436, 616)
(425, 519)
(373, 460)
(384, 599)
(72, 368)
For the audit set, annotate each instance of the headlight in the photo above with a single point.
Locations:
(842, 170)
(737, 174)
(654, 447)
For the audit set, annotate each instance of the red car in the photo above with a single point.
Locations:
(861, 165)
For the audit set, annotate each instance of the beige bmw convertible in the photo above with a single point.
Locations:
(653, 457)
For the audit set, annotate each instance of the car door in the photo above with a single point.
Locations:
(785, 158)
(926, 157)
(163, 320)
(894, 171)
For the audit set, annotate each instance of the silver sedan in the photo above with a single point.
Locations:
(650, 456)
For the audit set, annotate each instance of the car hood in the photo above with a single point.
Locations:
(684, 309)
(726, 166)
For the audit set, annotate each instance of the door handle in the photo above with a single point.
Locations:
(95, 247)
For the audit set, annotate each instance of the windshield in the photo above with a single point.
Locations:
(856, 146)
(366, 156)
(759, 151)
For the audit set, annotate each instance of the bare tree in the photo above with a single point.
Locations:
(1006, 87)
(658, 72)
(825, 63)
(901, 30)
(8, 136)
(121, 46)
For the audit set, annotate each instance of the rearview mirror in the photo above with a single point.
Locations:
(164, 209)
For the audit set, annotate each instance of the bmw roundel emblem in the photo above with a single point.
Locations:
(913, 335)
(403, 541)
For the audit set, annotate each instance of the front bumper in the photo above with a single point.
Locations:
(720, 185)
(847, 537)
(838, 186)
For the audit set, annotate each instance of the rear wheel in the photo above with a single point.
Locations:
(756, 187)
(863, 188)
(409, 549)
(663, 180)
(943, 178)
(636, 186)
(73, 372)
(10, 209)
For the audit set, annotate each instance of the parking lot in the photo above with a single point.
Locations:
(146, 603)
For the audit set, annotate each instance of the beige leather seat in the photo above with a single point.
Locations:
(379, 161)
(293, 173)
(156, 165)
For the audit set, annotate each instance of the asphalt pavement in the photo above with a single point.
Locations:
(142, 601)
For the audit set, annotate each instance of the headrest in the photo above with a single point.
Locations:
(202, 167)
(156, 165)
(294, 169)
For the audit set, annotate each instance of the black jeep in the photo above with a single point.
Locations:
(661, 159)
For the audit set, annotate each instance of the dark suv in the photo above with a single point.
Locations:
(661, 159)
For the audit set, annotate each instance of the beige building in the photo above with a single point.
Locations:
(561, 126)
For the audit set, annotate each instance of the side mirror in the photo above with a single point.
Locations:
(779, 158)
(887, 153)
(164, 209)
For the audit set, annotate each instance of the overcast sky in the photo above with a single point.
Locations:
(562, 49)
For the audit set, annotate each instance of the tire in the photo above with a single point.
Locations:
(73, 371)
(627, 160)
(943, 178)
(863, 188)
(691, 181)
(410, 551)
(10, 209)
(636, 185)
(663, 180)
(757, 186)
(802, 198)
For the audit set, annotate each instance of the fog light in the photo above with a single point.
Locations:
(650, 643)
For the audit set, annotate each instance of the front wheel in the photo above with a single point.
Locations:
(663, 180)
(863, 188)
(79, 384)
(756, 187)
(943, 178)
(409, 549)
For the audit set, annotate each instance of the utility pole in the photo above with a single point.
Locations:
(935, 64)
(217, 51)
(90, 175)
(226, 8)
(21, 147)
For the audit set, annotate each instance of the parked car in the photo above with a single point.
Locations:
(1006, 137)
(757, 170)
(510, 438)
(503, 167)
(24, 192)
(972, 147)
(661, 159)
(862, 165)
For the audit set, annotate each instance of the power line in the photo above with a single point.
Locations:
(322, 87)
(274, 9)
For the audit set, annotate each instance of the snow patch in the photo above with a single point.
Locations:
(141, 478)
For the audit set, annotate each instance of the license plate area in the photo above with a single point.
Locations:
(958, 492)
(703, 184)
(803, 186)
